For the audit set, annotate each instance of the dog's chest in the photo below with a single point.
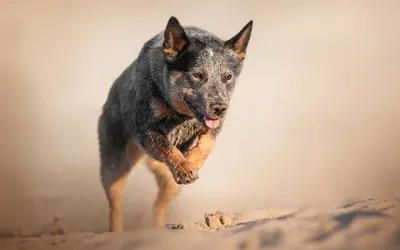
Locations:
(185, 135)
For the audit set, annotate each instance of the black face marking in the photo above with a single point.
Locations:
(183, 63)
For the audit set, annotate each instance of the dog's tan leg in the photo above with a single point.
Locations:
(167, 190)
(198, 154)
(114, 178)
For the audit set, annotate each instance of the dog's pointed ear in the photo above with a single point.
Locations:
(240, 41)
(175, 39)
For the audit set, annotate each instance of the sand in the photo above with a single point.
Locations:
(363, 224)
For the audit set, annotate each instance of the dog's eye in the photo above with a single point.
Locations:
(228, 77)
(197, 75)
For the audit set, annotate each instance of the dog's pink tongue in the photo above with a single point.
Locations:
(212, 123)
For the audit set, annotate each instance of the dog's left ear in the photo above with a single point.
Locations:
(175, 39)
(240, 41)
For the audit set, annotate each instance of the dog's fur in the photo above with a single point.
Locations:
(167, 108)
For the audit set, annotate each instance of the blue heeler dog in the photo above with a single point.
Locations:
(167, 108)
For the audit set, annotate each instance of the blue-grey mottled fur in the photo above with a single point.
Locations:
(128, 113)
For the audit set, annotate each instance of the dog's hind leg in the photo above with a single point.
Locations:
(167, 190)
(115, 170)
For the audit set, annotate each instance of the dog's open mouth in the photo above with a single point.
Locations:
(205, 119)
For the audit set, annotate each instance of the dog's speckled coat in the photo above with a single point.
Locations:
(168, 107)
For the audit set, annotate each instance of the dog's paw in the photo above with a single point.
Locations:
(184, 174)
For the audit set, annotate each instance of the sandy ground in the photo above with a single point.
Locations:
(363, 224)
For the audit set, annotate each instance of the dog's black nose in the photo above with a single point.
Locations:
(218, 109)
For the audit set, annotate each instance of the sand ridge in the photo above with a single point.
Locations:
(363, 224)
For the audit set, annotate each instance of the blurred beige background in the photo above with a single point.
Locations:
(315, 118)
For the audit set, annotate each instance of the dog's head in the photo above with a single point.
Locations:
(202, 70)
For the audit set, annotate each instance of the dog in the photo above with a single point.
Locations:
(167, 109)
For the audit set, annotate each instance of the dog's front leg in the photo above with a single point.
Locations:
(198, 154)
(158, 147)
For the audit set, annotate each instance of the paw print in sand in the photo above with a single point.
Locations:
(218, 220)
(214, 221)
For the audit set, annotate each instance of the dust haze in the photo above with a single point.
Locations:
(314, 120)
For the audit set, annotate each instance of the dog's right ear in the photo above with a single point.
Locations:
(175, 39)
